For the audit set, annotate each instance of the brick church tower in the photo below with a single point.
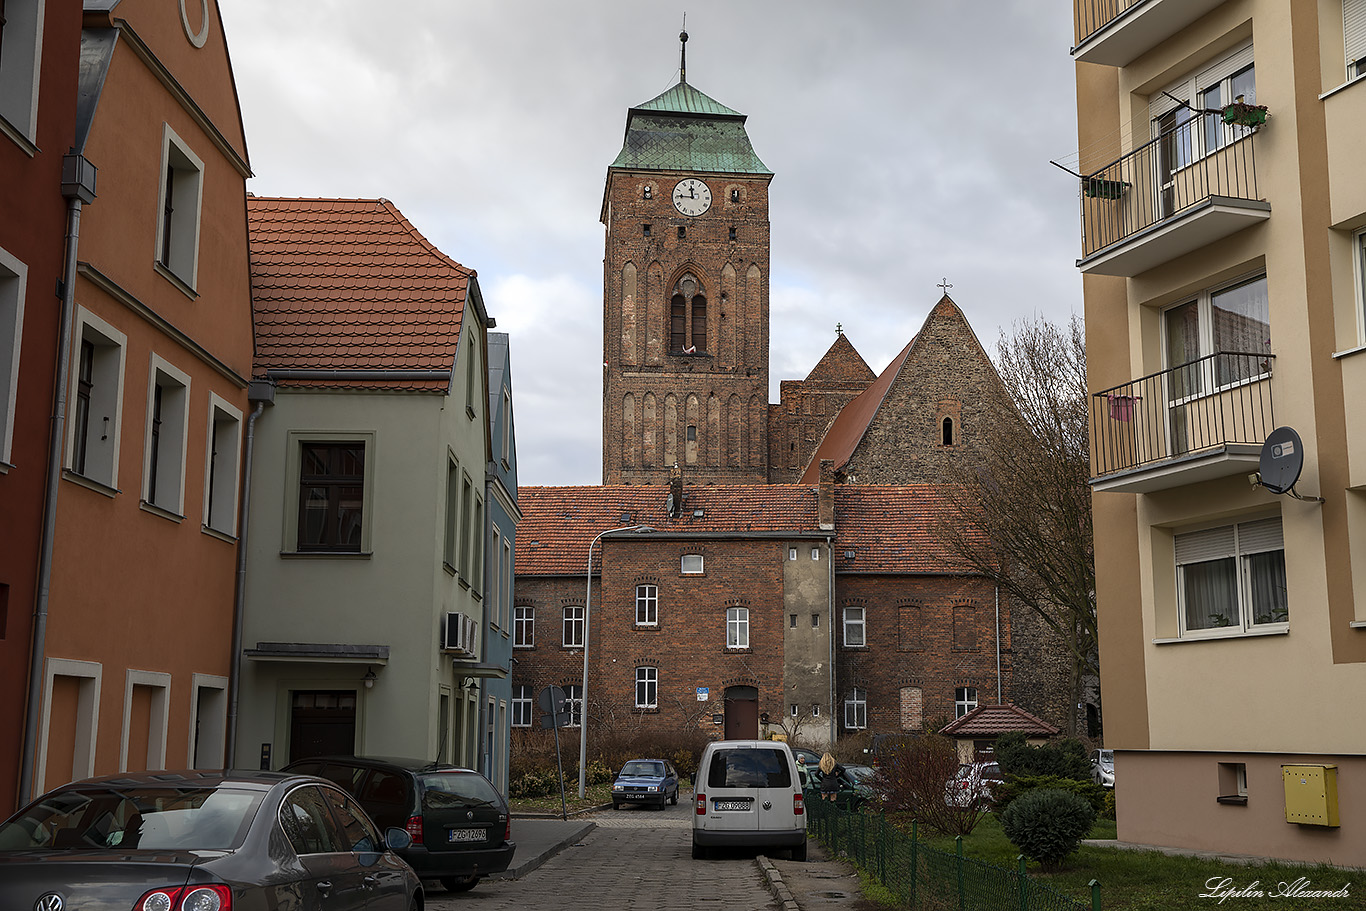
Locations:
(685, 296)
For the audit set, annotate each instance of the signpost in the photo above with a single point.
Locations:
(551, 702)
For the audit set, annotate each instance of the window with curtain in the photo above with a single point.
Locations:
(1234, 321)
(854, 628)
(1231, 578)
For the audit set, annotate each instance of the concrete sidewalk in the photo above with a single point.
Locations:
(538, 840)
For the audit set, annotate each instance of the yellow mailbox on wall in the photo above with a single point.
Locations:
(1311, 794)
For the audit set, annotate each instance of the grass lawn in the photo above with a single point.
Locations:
(594, 796)
(1149, 881)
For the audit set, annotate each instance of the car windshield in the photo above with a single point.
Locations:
(748, 769)
(639, 769)
(456, 789)
(149, 819)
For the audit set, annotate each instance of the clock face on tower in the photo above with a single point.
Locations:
(692, 196)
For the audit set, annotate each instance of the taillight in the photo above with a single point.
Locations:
(507, 833)
(701, 804)
(186, 898)
(798, 804)
(414, 828)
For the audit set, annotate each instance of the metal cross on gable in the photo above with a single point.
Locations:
(944, 285)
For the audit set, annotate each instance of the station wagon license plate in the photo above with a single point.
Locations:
(456, 835)
(732, 804)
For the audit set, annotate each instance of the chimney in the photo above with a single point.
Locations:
(675, 491)
(825, 496)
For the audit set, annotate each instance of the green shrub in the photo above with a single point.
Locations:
(1047, 824)
(1064, 758)
(1015, 786)
(1108, 810)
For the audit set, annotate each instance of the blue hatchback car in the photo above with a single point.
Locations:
(648, 781)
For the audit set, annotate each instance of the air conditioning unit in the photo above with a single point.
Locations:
(461, 635)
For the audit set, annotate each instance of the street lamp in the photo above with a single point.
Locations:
(583, 690)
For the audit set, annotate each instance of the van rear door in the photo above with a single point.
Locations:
(750, 788)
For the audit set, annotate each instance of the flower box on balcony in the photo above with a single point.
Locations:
(1242, 114)
(1122, 407)
(1100, 188)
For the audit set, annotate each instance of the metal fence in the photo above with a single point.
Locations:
(1210, 402)
(1094, 15)
(926, 879)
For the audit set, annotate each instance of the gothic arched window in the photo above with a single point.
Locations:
(688, 317)
(948, 431)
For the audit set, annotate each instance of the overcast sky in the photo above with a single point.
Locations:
(910, 140)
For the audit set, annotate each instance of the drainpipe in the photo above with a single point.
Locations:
(262, 392)
(78, 187)
(998, 645)
(830, 632)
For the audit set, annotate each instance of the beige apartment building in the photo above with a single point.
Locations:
(1223, 224)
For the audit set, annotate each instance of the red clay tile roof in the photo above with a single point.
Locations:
(350, 284)
(991, 720)
(841, 364)
(889, 529)
(847, 431)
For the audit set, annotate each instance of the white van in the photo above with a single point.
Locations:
(748, 795)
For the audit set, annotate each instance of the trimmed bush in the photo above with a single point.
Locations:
(1016, 785)
(1048, 824)
(1064, 758)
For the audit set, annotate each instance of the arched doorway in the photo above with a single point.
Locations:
(742, 713)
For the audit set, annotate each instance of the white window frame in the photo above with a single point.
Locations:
(647, 678)
(1249, 537)
(1354, 37)
(792, 553)
(573, 703)
(294, 461)
(211, 729)
(815, 554)
(222, 466)
(13, 287)
(1191, 89)
(815, 710)
(647, 604)
(20, 68)
(737, 627)
(186, 173)
(523, 706)
(856, 709)
(172, 438)
(1207, 375)
(572, 622)
(855, 627)
(964, 700)
(523, 626)
(105, 417)
(692, 565)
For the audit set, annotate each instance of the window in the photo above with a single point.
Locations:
(687, 315)
(21, 37)
(734, 195)
(521, 706)
(647, 687)
(1233, 783)
(523, 626)
(1194, 134)
(168, 416)
(505, 572)
(737, 627)
(792, 621)
(1233, 322)
(1231, 578)
(507, 428)
(692, 564)
(331, 496)
(732, 233)
(97, 414)
(964, 700)
(451, 546)
(182, 193)
(573, 703)
(573, 626)
(856, 709)
(645, 230)
(492, 610)
(853, 627)
(472, 374)
(815, 711)
(13, 280)
(947, 432)
(466, 526)
(796, 710)
(223, 460)
(1354, 36)
(815, 621)
(647, 605)
(792, 553)
(816, 553)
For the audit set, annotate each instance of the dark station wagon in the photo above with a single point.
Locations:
(459, 823)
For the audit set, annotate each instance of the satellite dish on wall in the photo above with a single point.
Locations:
(1282, 460)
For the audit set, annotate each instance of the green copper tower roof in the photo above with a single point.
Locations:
(685, 130)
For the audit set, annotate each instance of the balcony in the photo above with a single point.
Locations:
(1194, 184)
(1117, 32)
(1197, 422)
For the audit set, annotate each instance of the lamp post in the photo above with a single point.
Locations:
(583, 689)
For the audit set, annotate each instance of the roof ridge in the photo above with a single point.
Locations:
(418, 235)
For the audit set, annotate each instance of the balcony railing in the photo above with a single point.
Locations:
(1094, 15)
(1116, 32)
(1201, 407)
(1200, 161)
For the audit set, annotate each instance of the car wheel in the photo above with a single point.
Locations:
(459, 883)
(674, 799)
(699, 852)
(616, 805)
(799, 852)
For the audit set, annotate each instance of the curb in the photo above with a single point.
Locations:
(532, 863)
(606, 806)
(775, 882)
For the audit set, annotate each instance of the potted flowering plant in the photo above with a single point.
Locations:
(1243, 114)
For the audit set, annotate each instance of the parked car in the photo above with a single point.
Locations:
(854, 789)
(460, 825)
(1103, 767)
(973, 784)
(648, 781)
(807, 759)
(748, 794)
(208, 841)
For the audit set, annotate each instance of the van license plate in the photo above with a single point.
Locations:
(732, 804)
(465, 835)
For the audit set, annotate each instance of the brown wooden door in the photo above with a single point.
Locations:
(742, 713)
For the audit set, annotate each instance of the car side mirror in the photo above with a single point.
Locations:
(397, 839)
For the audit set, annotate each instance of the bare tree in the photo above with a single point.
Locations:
(1025, 507)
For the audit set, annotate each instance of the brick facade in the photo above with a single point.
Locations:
(807, 408)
